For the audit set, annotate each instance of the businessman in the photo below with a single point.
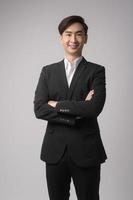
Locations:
(70, 95)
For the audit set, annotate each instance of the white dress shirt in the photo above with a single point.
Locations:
(71, 68)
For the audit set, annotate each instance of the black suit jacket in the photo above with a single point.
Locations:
(73, 122)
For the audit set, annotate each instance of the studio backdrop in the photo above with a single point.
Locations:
(29, 40)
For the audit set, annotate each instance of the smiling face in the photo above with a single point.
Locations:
(73, 40)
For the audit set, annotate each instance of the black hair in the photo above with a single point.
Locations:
(68, 21)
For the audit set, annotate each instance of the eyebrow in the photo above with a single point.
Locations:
(81, 31)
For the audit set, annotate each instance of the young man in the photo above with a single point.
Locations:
(70, 95)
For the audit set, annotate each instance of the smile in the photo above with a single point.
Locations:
(73, 46)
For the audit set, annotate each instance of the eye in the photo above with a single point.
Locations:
(68, 34)
(79, 34)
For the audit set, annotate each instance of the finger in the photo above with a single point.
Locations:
(92, 91)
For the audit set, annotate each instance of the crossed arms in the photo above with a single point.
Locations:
(66, 112)
(88, 98)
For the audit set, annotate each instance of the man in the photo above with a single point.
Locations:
(70, 95)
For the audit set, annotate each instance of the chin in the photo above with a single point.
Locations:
(73, 51)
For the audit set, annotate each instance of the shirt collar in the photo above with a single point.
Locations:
(75, 63)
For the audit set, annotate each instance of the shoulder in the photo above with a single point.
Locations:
(51, 67)
(94, 66)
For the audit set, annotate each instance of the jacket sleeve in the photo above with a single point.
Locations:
(42, 109)
(90, 108)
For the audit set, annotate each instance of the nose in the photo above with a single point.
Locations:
(73, 38)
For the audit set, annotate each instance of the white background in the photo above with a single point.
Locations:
(30, 40)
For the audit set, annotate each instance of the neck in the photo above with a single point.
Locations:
(71, 58)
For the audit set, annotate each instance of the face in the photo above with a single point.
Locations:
(73, 40)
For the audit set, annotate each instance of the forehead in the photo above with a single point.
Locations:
(74, 27)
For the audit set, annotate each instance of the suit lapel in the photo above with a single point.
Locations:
(63, 79)
(61, 73)
(76, 77)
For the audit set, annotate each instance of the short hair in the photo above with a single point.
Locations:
(68, 21)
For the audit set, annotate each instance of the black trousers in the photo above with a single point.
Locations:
(86, 180)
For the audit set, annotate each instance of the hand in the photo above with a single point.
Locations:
(52, 103)
(89, 95)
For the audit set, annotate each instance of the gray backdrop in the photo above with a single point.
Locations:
(29, 40)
